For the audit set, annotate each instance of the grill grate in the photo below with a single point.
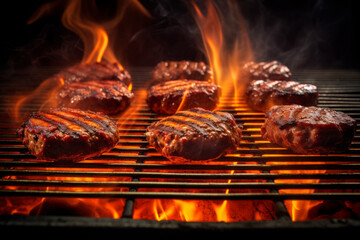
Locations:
(259, 170)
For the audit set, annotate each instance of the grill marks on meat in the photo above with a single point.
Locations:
(262, 95)
(267, 71)
(173, 70)
(168, 97)
(68, 134)
(109, 97)
(309, 130)
(100, 86)
(195, 135)
(95, 71)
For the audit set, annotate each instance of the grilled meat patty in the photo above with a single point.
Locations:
(104, 70)
(267, 71)
(262, 95)
(171, 96)
(172, 70)
(308, 130)
(195, 135)
(109, 97)
(68, 134)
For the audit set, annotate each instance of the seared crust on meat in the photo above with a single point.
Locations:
(68, 134)
(267, 71)
(104, 70)
(309, 130)
(109, 97)
(262, 95)
(172, 70)
(166, 97)
(195, 135)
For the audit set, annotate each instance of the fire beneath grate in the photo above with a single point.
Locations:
(261, 181)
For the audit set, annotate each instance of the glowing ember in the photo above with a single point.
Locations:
(298, 209)
(203, 210)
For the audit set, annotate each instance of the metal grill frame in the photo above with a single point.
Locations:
(339, 90)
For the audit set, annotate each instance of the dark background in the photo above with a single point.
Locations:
(302, 34)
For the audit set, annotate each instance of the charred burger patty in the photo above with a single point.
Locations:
(267, 71)
(109, 97)
(172, 70)
(68, 134)
(262, 95)
(309, 130)
(168, 97)
(104, 70)
(195, 135)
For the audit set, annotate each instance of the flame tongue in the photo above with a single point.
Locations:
(226, 56)
(97, 36)
(93, 35)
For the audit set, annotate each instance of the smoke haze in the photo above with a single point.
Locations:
(301, 34)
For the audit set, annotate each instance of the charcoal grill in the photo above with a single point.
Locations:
(133, 171)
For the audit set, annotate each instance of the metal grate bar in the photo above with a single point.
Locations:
(181, 185)
(198, 196)
(181, 175)
(133, 170)
(157, 166)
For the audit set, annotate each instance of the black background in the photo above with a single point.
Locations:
(302, 34)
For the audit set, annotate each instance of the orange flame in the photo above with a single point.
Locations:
(225, 58)
(188, 211)
(183, 99)
(124, 118)
(226, 64)
(95, 36)
(298, 209)
(98, 44)
(46, 90)
(203, 210)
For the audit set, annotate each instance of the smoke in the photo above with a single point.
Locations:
(44, 50)
(172, 35)
(301, 34)
(31, 44)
